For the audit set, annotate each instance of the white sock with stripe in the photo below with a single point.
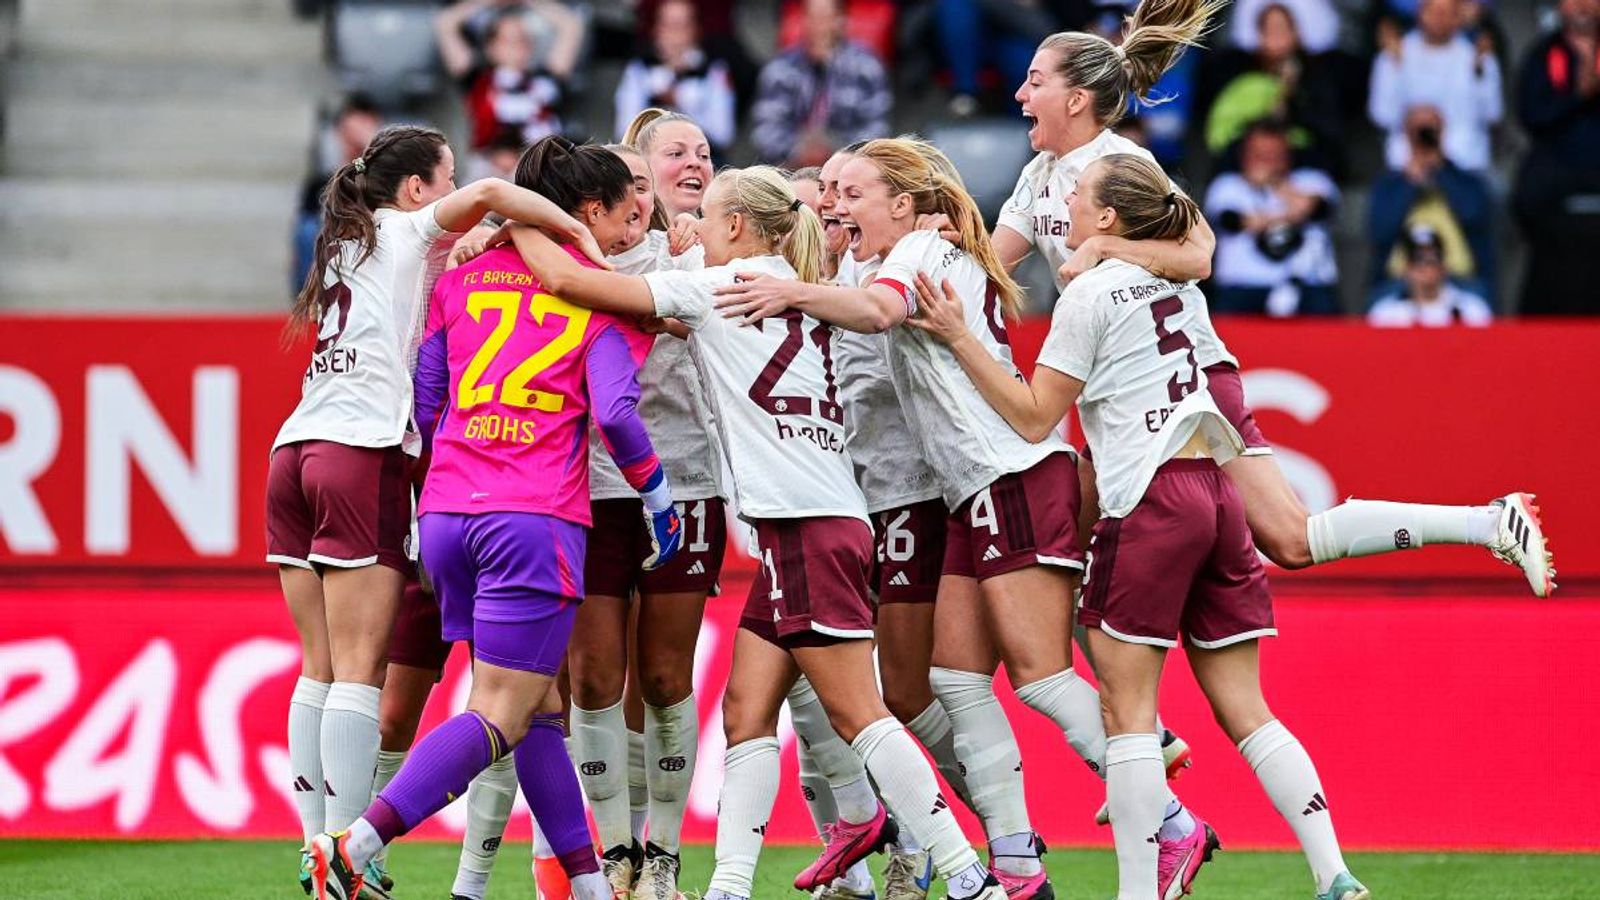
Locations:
(987, 750)
(933, 730)
(672, 738)
(305, 754)
(1369, 527)
(389, 763)
(749, 788)
(349, 751)
(1286, 771)
(489, 800)
(638, 787)
(1074, 706)
(912, 794)
(1136, 791)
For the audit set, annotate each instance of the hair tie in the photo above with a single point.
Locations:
(359, 164)
(795, 206)
(1172, 198)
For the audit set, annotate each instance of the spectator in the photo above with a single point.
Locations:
(501, 155)
(1431, 190)
(1002, 33)
(1436, 65)
(821, 95)
(1278, 79)
(676, 74)
(1274, 251)
(1557, 197)
(1426, 297)
(1316, 20)
(342, 139)
(508, 85)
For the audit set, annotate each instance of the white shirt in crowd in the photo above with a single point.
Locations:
(1453, 306)
(1316, 21)
(672, 401)
(786, 450)
(876, 431)
(965, 441)
(357, 390)
(1239, 262)
(1445, 77)
(1125, 334)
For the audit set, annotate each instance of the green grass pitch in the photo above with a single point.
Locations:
(227, 870)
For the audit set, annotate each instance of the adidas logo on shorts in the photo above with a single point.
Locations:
(900, 580)
(699, 568)
(991, 554)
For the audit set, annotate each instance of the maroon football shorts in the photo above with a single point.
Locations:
(812, 585)
(1227, 390)
(417, 639)
(330, 504)
(618, 545)
(1027, 518)
(1182, 562)
(910, 558)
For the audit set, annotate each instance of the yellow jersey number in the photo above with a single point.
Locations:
(514, 390)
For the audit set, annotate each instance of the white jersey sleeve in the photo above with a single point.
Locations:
(964, 440)
(1017, 212)
(1144, 392)
(687, 295)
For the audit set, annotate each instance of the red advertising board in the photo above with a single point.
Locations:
(1436, 722)
(142, 443)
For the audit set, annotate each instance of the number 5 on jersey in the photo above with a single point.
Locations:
(514, 390)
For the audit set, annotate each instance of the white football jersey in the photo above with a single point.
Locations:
(1127, 335)
(774, 395)
(357, 390)
(965, 441)
(672, 402)
(882, 445)
(1037, 210)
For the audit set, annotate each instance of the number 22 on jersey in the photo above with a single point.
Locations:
(514, 390)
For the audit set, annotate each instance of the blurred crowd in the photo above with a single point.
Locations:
(1466, 137)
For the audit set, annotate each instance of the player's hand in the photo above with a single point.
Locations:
(753, 297)
(683, 235)
(939, 310)
(472, 245)
(941, 223)
(1088, 255)
(666, 536)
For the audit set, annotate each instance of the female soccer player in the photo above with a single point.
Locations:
(503, 515)
(1078, 87)
(1172, 553)
(1012, 548)
(776, 396)
(338, 486)
(666, 622)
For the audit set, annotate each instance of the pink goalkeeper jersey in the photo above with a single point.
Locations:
(518, 372)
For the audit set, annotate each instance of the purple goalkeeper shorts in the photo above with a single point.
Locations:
(508, 582)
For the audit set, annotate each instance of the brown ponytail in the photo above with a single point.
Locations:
(354, 192)
(1157, 32)
(1147, 206)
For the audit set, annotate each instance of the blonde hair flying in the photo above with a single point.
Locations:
(1157, 32)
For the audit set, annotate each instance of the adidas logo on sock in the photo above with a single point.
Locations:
(900, 580)
(939, 804)
(991, 554)
(699, 568)
(328, 789)
(1316, 805)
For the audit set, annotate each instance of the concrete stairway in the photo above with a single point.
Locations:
(152, 154)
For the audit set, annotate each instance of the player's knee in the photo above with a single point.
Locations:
(665, 686)
(1239, 720)
(906, 697)
(1127, 715)
(394, 734)
(595, 686)
(741, 722)
(1288, 552)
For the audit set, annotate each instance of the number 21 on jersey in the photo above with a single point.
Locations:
(513, 390)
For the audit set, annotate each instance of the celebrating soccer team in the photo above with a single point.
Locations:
(561, 409)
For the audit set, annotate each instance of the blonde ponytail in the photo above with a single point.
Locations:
(921, 170)
(766, 199)
(1158, 30)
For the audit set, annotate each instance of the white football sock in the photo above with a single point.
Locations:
(1074, 706)
(363, 844)
(590, 886)
(853, 797)
(541, 844)
(672, 738)
(389, 763)
(305, 754)
(1368, 527)
(1285, 770)
(600, 749)
(749, 788)
(638, 788)
(1177, 822)
(912, 793)
(1136, 791)
(1015, 854)
(987, 749)
(489, 800)
(349, 751)
(817, 793)
(933, 730)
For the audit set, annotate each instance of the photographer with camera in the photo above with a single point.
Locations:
(1432, 190)
(1274, 253)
